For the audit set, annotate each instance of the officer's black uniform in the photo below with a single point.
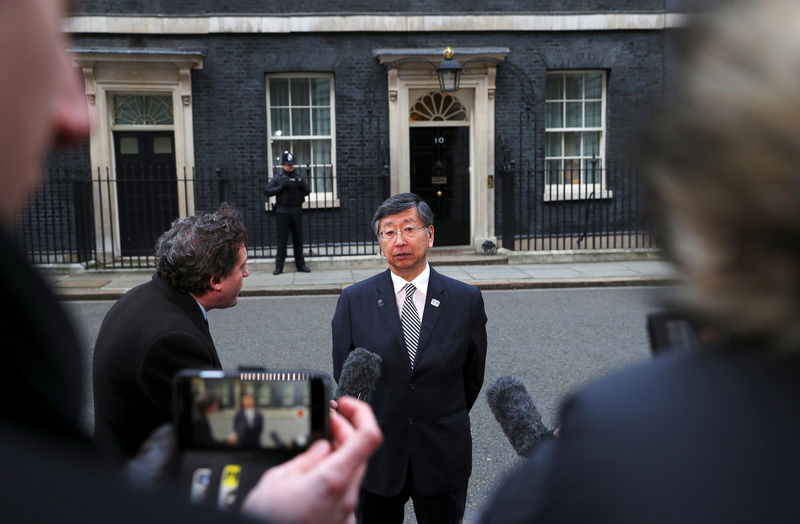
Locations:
(290, 190)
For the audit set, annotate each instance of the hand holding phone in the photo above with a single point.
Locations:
(234, 425)
(321, 484)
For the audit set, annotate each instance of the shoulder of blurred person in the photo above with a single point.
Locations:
(43, 374)
(681, 439)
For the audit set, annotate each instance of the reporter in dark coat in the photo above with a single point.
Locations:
(290, 190)
(423, 408)
(159, 328)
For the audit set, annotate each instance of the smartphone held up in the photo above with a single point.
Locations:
(233, 425)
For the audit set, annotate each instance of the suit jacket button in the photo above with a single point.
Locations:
(412, 386)
(410, 420)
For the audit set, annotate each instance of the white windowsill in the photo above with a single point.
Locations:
(321, 201)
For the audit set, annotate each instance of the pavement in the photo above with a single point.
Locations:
(506, 270)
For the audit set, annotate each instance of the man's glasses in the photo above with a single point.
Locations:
(406, 232)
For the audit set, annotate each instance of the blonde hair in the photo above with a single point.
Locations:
(724, 167)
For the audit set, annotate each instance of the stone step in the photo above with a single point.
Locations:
(462, 256)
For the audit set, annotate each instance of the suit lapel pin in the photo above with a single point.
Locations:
(380, 302)
(435, 303)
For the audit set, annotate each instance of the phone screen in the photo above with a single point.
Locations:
(251, 410)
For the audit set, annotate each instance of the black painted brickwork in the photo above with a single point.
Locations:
(304, 7)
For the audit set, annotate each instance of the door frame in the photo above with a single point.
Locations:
(107, 73)
(480, 82)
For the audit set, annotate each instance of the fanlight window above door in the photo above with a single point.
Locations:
(143, 110)
(436, 107)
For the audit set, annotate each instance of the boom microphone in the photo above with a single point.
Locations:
(514, 410)
(360, 373)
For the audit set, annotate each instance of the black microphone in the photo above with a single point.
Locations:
(360, 373)
(513, 408)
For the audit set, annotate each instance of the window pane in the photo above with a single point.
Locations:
(322, 121)
(555, 87)
(280, 122)
(322, 179)
(594, 85)
(278, 91)
(299, 91)
(320, 92)
(129, 145)
(301, 124)
(553, 171)
(572, 171)
(593, 112)
(572, 144)
(162, 145)
(573, 85)
(574, 114)
(553, 144)
(322, 152)
(302, 153)
(553, 116)
(591, 144)
(591, 171)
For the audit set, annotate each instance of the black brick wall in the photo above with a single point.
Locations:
(305, 7)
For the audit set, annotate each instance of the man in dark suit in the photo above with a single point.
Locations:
(432, 339)
(160, 327)
(248, 423)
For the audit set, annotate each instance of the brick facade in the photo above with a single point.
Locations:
(229, 103)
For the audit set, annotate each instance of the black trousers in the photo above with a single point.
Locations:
(436, 509)
(287, 222)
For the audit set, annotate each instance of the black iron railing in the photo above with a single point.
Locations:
(600, 208)
(110, 219)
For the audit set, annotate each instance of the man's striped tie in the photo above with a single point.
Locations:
(411, 324)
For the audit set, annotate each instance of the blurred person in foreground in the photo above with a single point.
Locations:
(51, 470)
(708, 435)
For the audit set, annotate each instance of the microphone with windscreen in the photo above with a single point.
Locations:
(360, 373)
(514, 410)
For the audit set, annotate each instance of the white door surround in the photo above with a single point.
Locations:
(107, 73)
(412, 72)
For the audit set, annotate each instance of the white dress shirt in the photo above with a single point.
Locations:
(421, 283)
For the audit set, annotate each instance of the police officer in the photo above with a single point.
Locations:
(290, 190)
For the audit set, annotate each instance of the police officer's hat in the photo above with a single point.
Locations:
(287, 158)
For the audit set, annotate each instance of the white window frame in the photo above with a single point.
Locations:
(317, 199)
(580, 190)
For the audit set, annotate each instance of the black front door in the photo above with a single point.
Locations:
(147, 187)
(440, 175)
